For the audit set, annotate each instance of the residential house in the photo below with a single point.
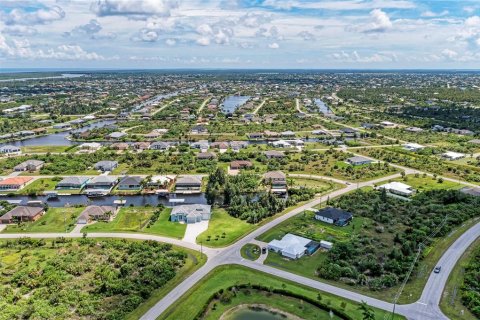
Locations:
(221, 145)
(22, 213)
(199, 129)
(160, 145)
(388, 124)
(69, 183)
(29, 165)
(450, 155)
(206, 155)
(119, 146)
(188, 183)
(117, 135)
(398, 188)
(348, 132)
(334, 216)
(414, 129)
(141, 145)
(277, 181)
(288, 134)
(90, 146)
(255, 135)
(473, 191)
(102, 182)
(14, 183)
(237, 145)
(106, 165)
(274, 154)
(10, 150)
(96, 213)
(280, 144)
(191, 213)
(240, 164)
(358, 161)
(413, 147)
(474, 141)
(293, 246)
(130, 183)
(160, 182)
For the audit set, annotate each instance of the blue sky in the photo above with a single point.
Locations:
(239, 34)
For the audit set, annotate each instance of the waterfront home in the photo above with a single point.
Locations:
(22, 213)
(199, 129)
(237, 145)
(116, 135)
(277, 181)
(221, 145)
(287, 134)
(106, 165)
(102, 182)
(96, 213)
(29, 165)
(358, 161)
(69, 183)
(93, 146)
(10, 150)
(153, 135)
(334, 216)
(348, 132)
(188, 183)
(191, 213)
(62, 126)
(280, 144)
(130, 183)
(14, 183)
(160, 182)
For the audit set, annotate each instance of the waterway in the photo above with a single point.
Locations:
(139, 200)
(322, 107)
(65, 75)
(60, 138)
(231, 103)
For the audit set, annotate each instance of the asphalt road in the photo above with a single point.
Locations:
(426, 308)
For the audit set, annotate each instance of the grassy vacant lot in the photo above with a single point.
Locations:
(128, 219)
(222, 277)
(43, 149)
(54, 220)
(250, 251)
(135, 219)
(164, 227)
(426, 183)
(451, 303)
(223, 229)
(44, 184)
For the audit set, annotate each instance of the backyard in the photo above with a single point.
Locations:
(54, 220)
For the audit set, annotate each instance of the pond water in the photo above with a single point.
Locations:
(322, 107)
(140, 200)
(231, 103)
(250, 314)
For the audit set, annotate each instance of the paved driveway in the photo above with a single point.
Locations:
(194, 229)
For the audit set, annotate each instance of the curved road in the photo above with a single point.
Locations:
(426, 308)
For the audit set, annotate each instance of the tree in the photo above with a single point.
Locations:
(368, 313)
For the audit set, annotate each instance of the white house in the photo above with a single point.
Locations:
(280, 144)
(191, 213)
(388, 124)
(291, 246)
(10, 150)
(450, 155)
(413, 146)
(399, 188)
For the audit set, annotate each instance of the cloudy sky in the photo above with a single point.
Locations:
(239, 34)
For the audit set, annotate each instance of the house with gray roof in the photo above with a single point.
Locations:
(97, 213)
(102, 182)
(106, 165)
(130, 183)
(188, 183)
(191, 213)
(358, 161)
(29, 165)
(69, 183)
(22, 213)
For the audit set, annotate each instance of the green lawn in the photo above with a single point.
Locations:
(250, 251)
(43, 149)
(223, 229)
(164, 227)
(306, 265)
(128, 219)
(222, 277)
(54, 220)
(40, 185)
(451, 303)
(421, 183)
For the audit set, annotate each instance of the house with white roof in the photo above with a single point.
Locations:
(398, 188)
(191, 213)
(413, 146)
(450, 155)
(292, 246)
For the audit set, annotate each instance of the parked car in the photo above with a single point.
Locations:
(437, 269)
(264, 250)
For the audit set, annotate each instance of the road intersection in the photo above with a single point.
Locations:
(426, 308)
